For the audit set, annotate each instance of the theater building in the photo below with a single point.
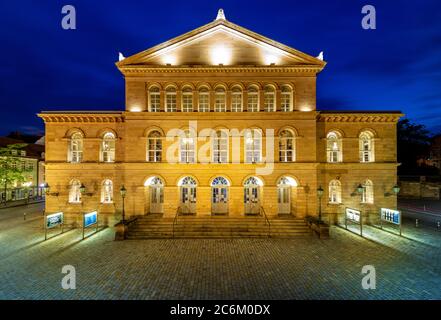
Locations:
(220, 121)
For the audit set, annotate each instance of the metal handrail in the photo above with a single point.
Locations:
(175, 220)
(262, 210)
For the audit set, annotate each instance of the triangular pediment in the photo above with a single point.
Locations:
(221, 43)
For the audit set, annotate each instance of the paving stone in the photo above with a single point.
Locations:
(306, 268)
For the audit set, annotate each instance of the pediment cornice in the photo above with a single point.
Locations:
(144, 70)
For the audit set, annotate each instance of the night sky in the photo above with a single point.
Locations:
(396, 67)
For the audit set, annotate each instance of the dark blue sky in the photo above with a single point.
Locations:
(396, 67)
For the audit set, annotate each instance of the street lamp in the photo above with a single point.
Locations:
(396, 189)
(123, 192)
(83, 189)
(360, 189)
(46, 188)
(320, 194)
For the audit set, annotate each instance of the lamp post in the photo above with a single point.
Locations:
(360, 189)
(320, 194)
(123, 192)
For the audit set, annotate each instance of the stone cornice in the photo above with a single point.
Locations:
(86, 117)
(360, 117)
(146, 69)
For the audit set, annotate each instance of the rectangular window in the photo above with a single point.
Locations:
(155, 150)
(219, 105)
(171, 103)
(187, 103)
(236, 103)
(285, 102)
(154, 102)
(253, 103)
(269, 102)
(204, 103)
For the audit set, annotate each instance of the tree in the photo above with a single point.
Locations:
(12, 168)
(413, 144)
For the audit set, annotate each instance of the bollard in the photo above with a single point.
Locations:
(438, 224)
(24, 216)
(416, 223)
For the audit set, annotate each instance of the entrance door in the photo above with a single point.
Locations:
(156, 199)
(219, 195)
(252, 195)
(284, 199)
(188, 199)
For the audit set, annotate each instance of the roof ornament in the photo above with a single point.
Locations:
(121, 57)
(320, 56)
(221, 15)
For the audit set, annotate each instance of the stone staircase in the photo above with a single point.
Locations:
(157, 227)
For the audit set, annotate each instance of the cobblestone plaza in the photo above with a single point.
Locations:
(304, 268)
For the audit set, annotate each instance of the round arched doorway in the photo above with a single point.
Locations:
(156, 194)
(252, 186)
(187, 195)
(219, 196)
(284, 194)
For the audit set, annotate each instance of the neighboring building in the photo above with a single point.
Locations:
(248, 89)
(434, 158)
(32, 158)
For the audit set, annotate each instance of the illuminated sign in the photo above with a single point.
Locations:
(353, 215)
(391, 216)
(90, 219)
(54, 220)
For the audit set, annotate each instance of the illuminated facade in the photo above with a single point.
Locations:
(220, 120)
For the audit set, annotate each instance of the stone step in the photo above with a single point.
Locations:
(216, 236)
(156, 227)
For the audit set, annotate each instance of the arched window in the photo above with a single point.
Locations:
(286, 146)
(107, 191)
(253, 100)
(187, 181)
(236, 99)
(204, 100)
(187, 100)
(253, 181)
(366, 145)
(270, 99)
(253, 146)
(220, 147)
(170, 99)
(219, 100)
(154, 99)
(368, 192)
(74, 191)
(153, 181)
(75, 154)
(333, 147)
(154, 147)
(220, 181)
(286, 99)
(334, 191)
(108, 147)
(187, 148)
